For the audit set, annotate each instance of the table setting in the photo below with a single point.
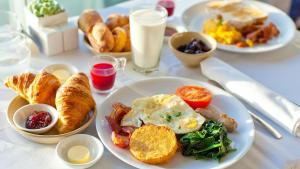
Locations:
(156, 84)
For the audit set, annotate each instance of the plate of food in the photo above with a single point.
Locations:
(241, 26)
(41, 97)
(111, 37)
(170, 122)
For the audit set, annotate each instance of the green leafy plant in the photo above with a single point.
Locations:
(41, 8)
(211, 142)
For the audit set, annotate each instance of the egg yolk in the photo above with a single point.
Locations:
(188, 123)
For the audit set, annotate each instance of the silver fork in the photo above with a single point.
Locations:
(264, 123)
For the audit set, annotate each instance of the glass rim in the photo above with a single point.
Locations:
(92, 62)
(14, 36)
(150, 6)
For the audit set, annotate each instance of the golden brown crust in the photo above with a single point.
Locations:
(87, 19)
(120, 37)
(73, 101)
(153, 144)
(115, 20)
(101, 38)
(127, 47)
(40, 88)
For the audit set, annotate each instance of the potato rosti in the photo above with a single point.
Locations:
(153, 144)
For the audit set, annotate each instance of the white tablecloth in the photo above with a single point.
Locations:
(277, 70)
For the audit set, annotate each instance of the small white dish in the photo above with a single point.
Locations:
(67, 68)
(22, 114)
(92, 143)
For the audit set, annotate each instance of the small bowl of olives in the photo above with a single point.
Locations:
(192, 47)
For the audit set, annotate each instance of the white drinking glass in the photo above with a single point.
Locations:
(14, 54)
(147, 27)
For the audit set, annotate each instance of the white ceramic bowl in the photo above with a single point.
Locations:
(92, 143)
(22, 114)
(70, 68)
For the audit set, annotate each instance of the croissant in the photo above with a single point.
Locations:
(73, 101)
(40, 88)
(101, 38)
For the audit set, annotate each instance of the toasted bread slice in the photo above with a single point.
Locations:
(237, 13)
(153, 144)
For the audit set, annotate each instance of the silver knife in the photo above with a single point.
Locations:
(270, 128)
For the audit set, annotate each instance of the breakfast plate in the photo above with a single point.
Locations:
(242, 139)
(51, 137)
(194, 16)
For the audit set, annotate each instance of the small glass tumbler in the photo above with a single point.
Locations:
(103, 71)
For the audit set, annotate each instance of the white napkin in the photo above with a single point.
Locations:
(271, 104)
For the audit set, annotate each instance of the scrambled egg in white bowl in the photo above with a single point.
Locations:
(163, 110)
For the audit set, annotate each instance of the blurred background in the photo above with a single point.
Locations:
(74, 7)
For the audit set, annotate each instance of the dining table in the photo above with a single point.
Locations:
(278, 70)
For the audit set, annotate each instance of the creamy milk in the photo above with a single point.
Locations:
(147, 28)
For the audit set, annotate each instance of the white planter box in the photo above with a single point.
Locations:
(47, 21)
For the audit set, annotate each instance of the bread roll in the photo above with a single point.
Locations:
(88, 19)
(101, 38)
(127, 47)
(115, 20)
(120, 37)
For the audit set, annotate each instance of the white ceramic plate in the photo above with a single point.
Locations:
(242, 139)
(194, 16)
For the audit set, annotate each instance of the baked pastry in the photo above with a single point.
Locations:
(87, 19)
(120, 37)
(153, 144)
(115, 20)
(101, 38)
(127, 47)
(73, 101)
(40, 88)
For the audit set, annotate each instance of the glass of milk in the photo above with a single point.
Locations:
(147, 27)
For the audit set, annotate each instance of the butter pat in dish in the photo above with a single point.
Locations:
(79, 154)
(79, 151)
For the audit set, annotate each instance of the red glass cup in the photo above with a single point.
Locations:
(103, 70)
(169, 5)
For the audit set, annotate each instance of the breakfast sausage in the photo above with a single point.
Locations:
(212, 113)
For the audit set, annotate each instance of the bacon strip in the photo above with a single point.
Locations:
(120, 134)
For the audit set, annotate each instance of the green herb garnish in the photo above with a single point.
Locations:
(211, 142)
(177, 114)
(168, 118)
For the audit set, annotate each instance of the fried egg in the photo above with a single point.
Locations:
(163, 110)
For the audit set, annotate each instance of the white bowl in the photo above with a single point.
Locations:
(51, 68)
(67, 67)
(92, 143)
(22, 114)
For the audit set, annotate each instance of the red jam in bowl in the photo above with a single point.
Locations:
(38, 119)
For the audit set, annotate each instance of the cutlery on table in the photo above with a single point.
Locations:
(264, 123)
